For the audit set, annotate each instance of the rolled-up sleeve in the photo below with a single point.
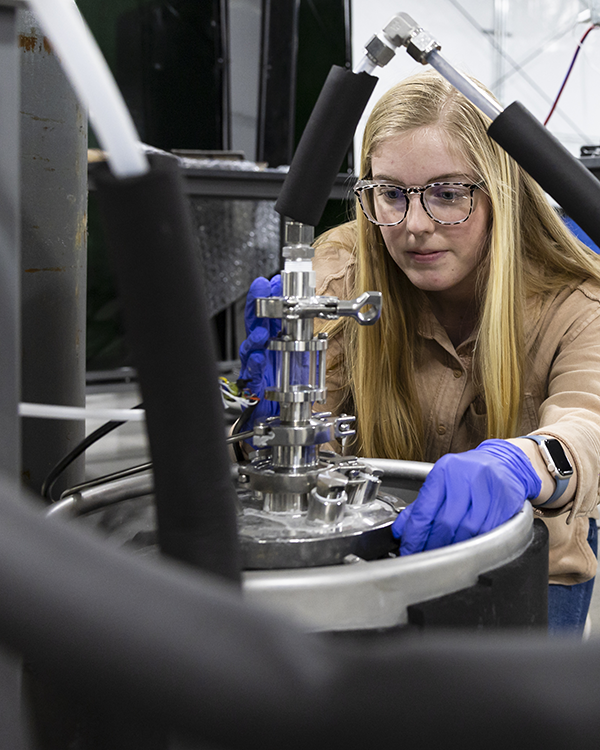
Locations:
(563, 398)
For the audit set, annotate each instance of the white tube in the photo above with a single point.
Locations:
(459, 80)
(93, 83)
(366, 65)
(300, 266)
(51, 411)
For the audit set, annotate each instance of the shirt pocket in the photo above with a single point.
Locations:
(476, 422)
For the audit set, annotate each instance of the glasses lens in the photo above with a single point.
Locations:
(383, 204)
(448, 203)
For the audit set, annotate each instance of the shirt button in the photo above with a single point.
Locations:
(457, 373)
(441, 430)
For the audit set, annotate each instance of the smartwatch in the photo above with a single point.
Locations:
(556, 462)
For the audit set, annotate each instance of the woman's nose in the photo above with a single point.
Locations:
(417, 219)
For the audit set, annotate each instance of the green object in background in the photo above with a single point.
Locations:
(105, 347)
(170, 60)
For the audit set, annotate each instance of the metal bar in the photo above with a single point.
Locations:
(277, 97)
(225, 183)
(12, 726)
(257, 185)
(10, 367)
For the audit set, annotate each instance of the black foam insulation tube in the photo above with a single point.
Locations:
(325, 141)
(149, 234)
(558, 172)
(170, 647)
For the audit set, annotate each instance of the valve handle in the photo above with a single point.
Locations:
(352, 308)
(328, 308)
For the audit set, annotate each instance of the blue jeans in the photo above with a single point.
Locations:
(568, 605)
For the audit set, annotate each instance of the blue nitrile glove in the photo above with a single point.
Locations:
(467, 494)
(258, 363)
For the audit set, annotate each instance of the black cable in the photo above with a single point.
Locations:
(108, 427)
(80, 448)
(237, 428)
(564, 83)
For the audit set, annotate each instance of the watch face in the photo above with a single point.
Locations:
(559, 457)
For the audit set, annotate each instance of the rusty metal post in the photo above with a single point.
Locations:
(54, 216)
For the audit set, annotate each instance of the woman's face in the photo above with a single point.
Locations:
(439, 259)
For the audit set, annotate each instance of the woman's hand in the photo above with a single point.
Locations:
(258, 363)
(467, 494)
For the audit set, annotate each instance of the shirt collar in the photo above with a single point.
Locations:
(429, 327)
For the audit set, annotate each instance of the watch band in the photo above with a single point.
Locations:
(561, 482)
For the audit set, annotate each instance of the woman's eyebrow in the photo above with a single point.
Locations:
(453, 177)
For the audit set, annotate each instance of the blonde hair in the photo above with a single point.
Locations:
(529, 252)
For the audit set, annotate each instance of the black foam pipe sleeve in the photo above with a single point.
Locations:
(323, 145)
(558, 172)
(149, 234)
(172, 647)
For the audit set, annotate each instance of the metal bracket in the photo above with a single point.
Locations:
(400, 31)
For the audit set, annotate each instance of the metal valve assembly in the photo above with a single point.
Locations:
(305, 506)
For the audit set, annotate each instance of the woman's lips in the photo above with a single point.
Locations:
(425, 256)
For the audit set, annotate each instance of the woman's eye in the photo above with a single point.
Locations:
(391, 194)
(447, 194)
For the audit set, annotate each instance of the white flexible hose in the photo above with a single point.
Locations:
(93, 83)
(52, 411)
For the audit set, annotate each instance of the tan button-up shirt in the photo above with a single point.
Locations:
(561, 395)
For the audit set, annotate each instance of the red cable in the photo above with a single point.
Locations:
(564, 83)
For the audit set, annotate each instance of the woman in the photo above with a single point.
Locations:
(489, 335)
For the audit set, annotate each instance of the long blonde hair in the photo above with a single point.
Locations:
(529, 252)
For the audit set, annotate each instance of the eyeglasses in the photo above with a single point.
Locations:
(387, 205)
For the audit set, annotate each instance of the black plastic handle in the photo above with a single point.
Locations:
(167, 327)
(324, 143)
(557, 171)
